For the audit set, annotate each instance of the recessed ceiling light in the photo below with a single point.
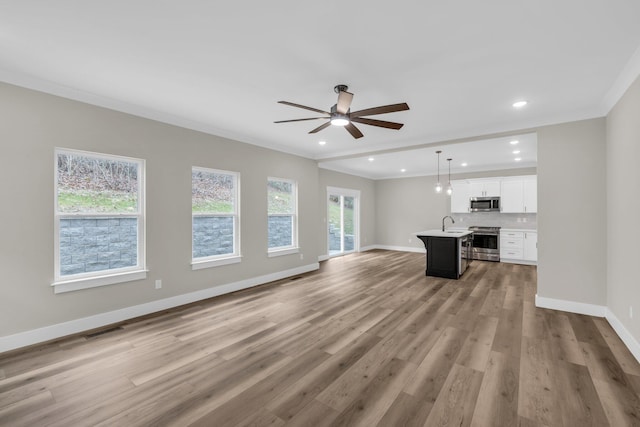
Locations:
(517, 159)
(403, 170)
(464, 165)
(371, 159)
(322, 142)
(519, 104)
(516, 151)
(514, 142)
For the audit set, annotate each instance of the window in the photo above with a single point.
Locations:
(214, 208)
(99, 220)
(282, 201)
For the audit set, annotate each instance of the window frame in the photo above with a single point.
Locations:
(73, 282)
(222, 259)
(293, 247)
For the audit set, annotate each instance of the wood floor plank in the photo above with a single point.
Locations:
(538, 395)
(367, 339)
(580, 403)
(457, 400)
(292, 400)
(622, 354)
(407, 411)
(340, 393)
(621, 407)
(238, 410)
(432, 373)
(565, 345)
(493, 303)
(420, 343)
(508, 336)
(373, 401)
(477, 347)
(313, 414)
(585, 329)
(497, 403)
(11, 414)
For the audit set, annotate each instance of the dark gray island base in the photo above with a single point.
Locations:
(446, 252)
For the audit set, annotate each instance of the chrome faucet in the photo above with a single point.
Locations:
(452, 221)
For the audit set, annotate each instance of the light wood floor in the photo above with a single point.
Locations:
(368, 340)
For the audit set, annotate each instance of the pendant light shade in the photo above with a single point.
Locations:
(438, 184)
(449, 187)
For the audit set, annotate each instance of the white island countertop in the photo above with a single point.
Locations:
(446, 233)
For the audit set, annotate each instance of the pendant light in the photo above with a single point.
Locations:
(438, 185)
(449, 187)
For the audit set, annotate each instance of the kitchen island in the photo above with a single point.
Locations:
(447, 252)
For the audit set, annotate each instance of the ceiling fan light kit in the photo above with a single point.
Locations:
(340, 114)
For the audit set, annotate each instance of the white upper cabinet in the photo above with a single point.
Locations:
(460, 196)
(530, 194)
(511, 195)
(485, 188)
(519, 194)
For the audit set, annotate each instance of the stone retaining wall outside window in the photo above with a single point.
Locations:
(95, 244)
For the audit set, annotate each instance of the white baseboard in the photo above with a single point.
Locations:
(368, 248)
(632, 344)
(401, 248)
(48, 333)
(323, 257)
(571, 306)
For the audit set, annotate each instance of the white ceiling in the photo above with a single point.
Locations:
(486, 155)
(221, 67)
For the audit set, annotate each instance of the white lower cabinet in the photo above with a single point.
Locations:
(530, 246)
(520, 247)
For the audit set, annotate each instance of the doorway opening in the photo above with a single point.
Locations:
(343, 216)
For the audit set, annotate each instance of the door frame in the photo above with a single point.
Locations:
(348, 192)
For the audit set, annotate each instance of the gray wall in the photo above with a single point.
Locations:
(572, 212)
(33, 124)
(407, 205)
(366, 186)
(623, 205)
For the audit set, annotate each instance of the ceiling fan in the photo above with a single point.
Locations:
(341, 115)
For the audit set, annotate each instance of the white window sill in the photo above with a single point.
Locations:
(62, 286)
(199, 265)
(281, 252)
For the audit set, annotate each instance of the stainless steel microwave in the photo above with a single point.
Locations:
(484, 204)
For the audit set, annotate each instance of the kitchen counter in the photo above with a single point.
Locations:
(526, 230)
(445, 233)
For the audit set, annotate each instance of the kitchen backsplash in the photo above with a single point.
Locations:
(496, 219)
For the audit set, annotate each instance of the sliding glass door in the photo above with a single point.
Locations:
(342, 222)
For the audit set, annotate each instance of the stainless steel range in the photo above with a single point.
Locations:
(486, 243)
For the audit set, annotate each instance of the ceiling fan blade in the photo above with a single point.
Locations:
(344, 102)
(354, 131)
(319, 128)
(299, 120)
(379, 123)
(304, 107)
(380, 110)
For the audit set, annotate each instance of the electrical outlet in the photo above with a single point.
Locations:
(630, 312)
(301, 256)
(409, 240)
(158, 284)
